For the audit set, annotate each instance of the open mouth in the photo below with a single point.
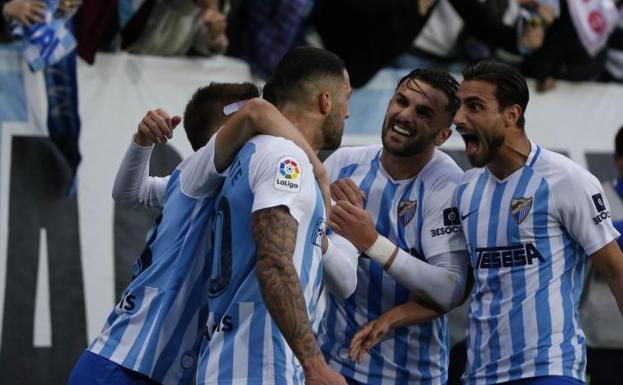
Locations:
(472, 143)
(397, 128)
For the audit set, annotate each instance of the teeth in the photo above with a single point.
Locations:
(401, 130)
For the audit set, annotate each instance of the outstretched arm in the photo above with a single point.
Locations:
(408, 313)
(275, 230)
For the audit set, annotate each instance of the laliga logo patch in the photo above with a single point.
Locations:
(406, 211)
(520, 208)
(288, 175)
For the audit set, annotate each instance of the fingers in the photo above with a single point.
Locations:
(37, 12)
(345, 215)
(163, 116)
(157, 126)
(334, 225)
(340, 216)
(175, 121)
(355, 343)
(346, 189)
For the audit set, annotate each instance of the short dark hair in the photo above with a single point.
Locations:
(204, 112)
(297, 67)
(618, 142)
(437, 79)
(510, 86)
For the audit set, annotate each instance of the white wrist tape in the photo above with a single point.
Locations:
(381, 250)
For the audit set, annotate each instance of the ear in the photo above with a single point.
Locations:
(512, 114)
(443, 135)
(324, 102)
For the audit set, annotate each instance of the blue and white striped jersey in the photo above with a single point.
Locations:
(246, 347)
(418, 216)
(157, 326)
(528, 237)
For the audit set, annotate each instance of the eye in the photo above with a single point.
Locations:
(475, 107)
(401, 100)
(424, 113)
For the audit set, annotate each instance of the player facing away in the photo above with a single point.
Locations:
(268, 233)
(153, 334)
(531, 219)
(409, 231)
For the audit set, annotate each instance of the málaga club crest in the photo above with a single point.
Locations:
(520, 208)
(406, 211)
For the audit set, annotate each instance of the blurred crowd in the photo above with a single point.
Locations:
(577, 40)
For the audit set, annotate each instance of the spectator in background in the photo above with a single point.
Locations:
(564, 54)
(614, 59)
(25, 12)
(603, 325)
(262, 31)
(181, 27)
(388, 29)
(456, 33)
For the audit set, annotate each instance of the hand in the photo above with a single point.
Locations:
(215, 21)
(346, 190)
(532, 37)
(368, 336)
(69, 6)
(547, 13)
(26, 12)
(317, 372)
(353, 223)
(156, 127)
(423, 6)
(218, 44)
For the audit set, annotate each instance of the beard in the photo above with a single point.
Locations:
(332, 130)
(488, 148)
(415, 146)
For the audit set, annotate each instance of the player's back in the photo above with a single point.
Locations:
(156, 327)
(267, 172)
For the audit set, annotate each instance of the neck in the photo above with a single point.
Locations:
(305, 123)
(405, 167)
(511, 155)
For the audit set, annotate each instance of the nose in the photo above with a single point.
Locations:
(459, 117)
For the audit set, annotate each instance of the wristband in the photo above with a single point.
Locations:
(381, 250)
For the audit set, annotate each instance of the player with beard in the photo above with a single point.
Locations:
(532, 218)
(268, 233)
(408, 231)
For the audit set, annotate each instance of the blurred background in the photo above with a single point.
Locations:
(76, 77)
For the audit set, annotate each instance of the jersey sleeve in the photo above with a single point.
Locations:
(198, 174)
(584, 211)
(281, 175)
(441, 227)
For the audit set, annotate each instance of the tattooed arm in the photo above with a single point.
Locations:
(275, 231)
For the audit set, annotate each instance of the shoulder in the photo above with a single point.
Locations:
(353, 155)
(272, 148)
(561, 172)
(471, 175)
(350, 158)
(441, 172)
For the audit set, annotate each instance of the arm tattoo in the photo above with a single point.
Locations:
(275, 230)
